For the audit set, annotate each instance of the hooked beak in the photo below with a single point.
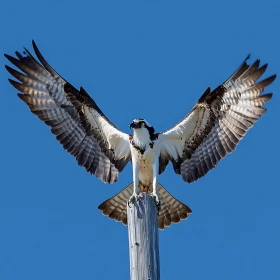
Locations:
(135, 125)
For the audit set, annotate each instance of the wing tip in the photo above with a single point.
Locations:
(21, 96)
(273, 77)
(9, 57)
(13, 82)
(34, 45)
(8, 68)
(247, 57)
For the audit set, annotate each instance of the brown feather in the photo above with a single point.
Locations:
(234, 106)
(43, 91)
(172, 210)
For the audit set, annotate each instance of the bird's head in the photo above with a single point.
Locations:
(142, 124)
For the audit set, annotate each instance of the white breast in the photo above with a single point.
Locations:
(141, 138)
(146, 161)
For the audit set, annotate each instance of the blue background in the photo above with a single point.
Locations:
(149, 59)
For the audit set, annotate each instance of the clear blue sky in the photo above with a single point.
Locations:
(138, 59)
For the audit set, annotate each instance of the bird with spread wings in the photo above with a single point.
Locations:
(195, 145)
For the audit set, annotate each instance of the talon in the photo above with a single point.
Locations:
(157, 201)
(134, 198)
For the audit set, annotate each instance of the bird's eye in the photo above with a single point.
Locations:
(142, 124)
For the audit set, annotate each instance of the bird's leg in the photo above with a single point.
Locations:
(154, 193)
(134, 196)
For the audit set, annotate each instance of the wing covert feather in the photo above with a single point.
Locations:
(217, 123)
(75, 119)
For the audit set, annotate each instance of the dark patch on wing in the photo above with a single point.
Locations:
(229, 112)
(43, 91)
(234, 107)
(79, 99)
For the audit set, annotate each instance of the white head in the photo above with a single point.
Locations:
(142, 123)
(143, 132)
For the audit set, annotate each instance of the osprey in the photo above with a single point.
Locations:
(195, 145)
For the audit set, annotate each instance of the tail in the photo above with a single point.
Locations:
(172, 210)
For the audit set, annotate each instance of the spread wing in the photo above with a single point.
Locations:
(217, 123)
(75, 119)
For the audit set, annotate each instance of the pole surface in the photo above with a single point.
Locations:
(143, 239)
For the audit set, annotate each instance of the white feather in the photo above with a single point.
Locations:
(141, 137)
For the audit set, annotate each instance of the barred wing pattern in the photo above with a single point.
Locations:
(75, 119)
(171, 211)
(217, 122)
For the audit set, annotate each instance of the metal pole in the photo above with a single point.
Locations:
(143, 239)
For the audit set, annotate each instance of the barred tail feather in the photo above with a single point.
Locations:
(172, 210)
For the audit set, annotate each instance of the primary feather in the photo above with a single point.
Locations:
(216, 124)
(75, 119)
(195, 145)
